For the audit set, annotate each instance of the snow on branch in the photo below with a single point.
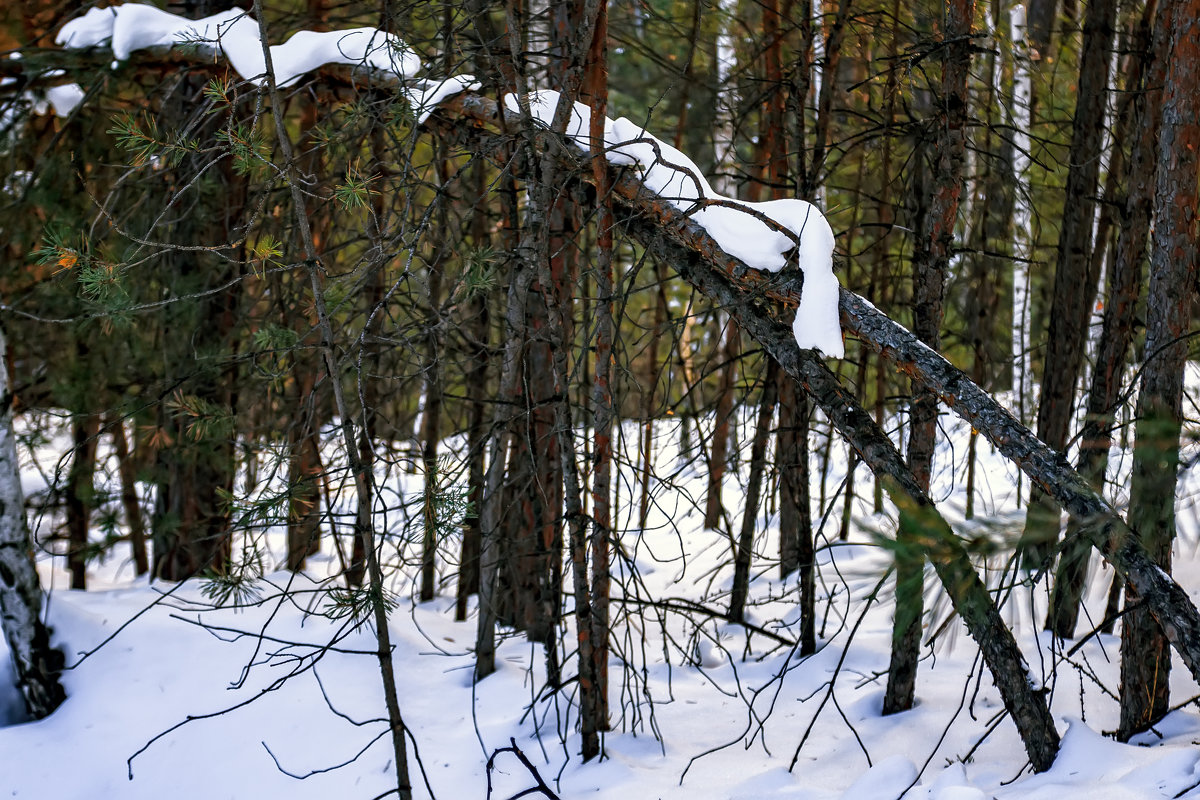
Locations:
(766, 236)
(234, 34)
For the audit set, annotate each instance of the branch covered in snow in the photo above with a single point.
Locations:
(234, 36)
(767, 236)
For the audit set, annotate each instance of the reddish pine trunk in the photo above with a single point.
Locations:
(1145, 651)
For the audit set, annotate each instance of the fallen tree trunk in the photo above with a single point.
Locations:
(932, 534)
(755, 298)
(699, 259)
(674, 238)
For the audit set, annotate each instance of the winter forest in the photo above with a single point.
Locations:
(633, 399)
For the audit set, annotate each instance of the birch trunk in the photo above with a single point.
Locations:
(35, 663)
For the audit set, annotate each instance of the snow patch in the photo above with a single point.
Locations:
(766, 235)
(234, 33)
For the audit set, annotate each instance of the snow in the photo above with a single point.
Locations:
(65, 98)
(734, 224)
(764, 235)
(130, 27)
(730, 711)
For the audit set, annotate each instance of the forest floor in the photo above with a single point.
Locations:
(171, 697)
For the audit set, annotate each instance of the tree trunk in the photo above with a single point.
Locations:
(129, 498)
(714, 507)
(931, 259)
(1116, 337)
(594, 699)
(1074, 283)
(304, 468)
(1145, 654)
(480, 327)
(758, 462)
(36, 663)
(431, 415)
(81, 492)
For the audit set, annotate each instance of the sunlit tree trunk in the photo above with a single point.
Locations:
(1145, 651)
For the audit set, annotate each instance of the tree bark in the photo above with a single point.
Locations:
(36, 663)
(80, 495)
(1074, 283)
(129, 498)
(1116, 337)
(594, 706)
(1145, 655)
(758, 462)
(931, 260)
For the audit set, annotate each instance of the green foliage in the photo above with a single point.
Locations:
(358, 604)
(100, 281)
(479, 277)
(238, 585)
(204, 419)
(249, 150)
(141, 136)
(354, 193)
(218, 90)
(275, 338)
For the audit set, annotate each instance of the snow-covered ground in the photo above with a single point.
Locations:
(169, 697)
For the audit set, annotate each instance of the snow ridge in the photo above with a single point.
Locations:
(669, 173)
(235, 34)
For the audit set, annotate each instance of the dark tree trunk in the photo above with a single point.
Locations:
(431, 415)
(714, 507)
(480, 327)
(758, 463)
(594, 707)
(129, 499)
(304, 469)
(931, 259)
(1116, 337)
(795, 518)
(1040, 20)
(81, 492)
(1145, 651)
(1074, 282)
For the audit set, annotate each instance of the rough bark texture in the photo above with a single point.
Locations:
(595, 711)
(1116, 336)
(1074, 283)
(1145, 657)
(35, 662)
(1046, 467)
(931, 261)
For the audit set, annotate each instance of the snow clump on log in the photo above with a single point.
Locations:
(795, 228)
